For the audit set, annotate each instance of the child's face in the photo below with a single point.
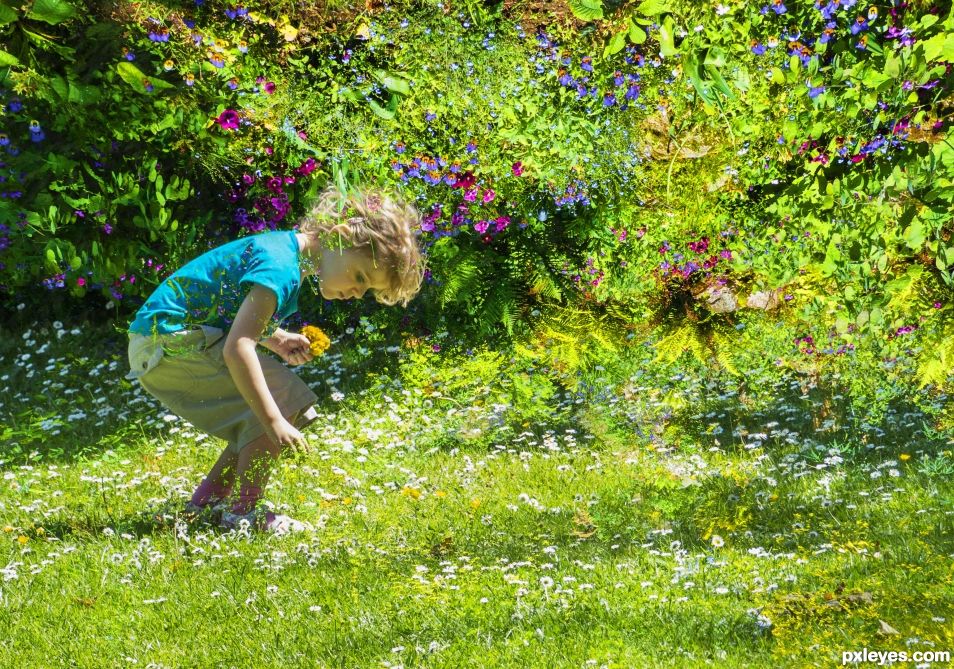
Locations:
(348, 273)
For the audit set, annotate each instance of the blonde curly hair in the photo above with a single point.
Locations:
(389, 226)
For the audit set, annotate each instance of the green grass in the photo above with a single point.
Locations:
(465, 520)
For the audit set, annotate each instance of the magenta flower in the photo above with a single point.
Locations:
(228, 120)
(471, 195)
(270, 87)
(481, 226)
(501, 223)
(517, 169)
(307, 167)
(274, 184)
(489, 195)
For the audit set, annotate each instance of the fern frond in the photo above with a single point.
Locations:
(937, 357)
(724, 349)
(673, 345)
(462, 280)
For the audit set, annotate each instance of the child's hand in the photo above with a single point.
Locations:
(294, 349)
(285, 435)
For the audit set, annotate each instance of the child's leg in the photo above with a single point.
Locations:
(218, 483)
(255, 463)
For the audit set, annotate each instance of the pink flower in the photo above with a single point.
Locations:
(81, 281)
(517, 169)
(489, 195)
(269, 150)
(270, 87)
(228, 120)
(471, 195)
(501, 223)
(481, 226)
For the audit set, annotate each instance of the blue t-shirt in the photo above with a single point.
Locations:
(210, 289)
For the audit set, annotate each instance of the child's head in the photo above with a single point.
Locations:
(382, 226)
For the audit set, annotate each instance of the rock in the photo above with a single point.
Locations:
(659, 145)
(764, 299)
(719, 299)
(886, 628)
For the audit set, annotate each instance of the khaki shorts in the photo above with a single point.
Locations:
(186, 372)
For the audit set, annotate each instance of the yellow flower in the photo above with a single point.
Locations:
(22, 539)
(411, 492)
(8, 528)
(904, 457)
(168, 65)
(474, 503)
(440, 494)
(318, 339)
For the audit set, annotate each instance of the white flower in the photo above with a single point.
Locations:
(722, 9)
(717, 541)
(546, 582)
(57, 325)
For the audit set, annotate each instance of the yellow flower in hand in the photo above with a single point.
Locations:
(319, 340)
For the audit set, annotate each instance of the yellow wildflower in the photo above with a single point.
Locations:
(440, 494)
(474, 503)
(318, 339)
(904, 457)
(22, 539)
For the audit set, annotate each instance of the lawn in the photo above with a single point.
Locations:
(472, 509)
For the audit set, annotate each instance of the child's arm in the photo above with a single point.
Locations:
(240, 357)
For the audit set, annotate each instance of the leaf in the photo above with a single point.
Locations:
(51, 11)
(666, 44)
(7, 15)
(586, 10)
(652, 7)
(7, 59)
(133, 76)
(381, 111)
(392, 82)
(637, 35)
(615, 45)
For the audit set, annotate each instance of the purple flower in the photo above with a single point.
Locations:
(815, 91)
(481, 226)
(228, 120)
